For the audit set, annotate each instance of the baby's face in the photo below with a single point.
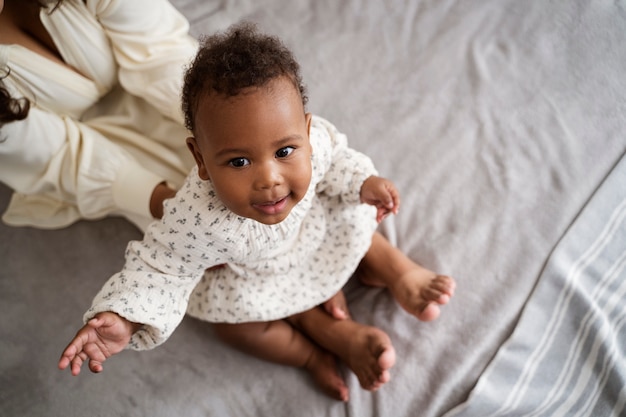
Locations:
(255, 149)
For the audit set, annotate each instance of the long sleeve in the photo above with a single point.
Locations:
(347, 168)
(162, 270)
(152, 289)
(152, 46)
(56, 158)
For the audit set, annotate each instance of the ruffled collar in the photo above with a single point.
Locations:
(243, 236)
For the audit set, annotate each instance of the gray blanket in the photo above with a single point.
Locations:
(497, 119)
(567, 354)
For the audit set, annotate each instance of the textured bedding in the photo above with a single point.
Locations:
(502, 123)
(566, 355)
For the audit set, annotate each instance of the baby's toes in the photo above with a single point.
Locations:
(429, 312)
(433, 293)
(444, 284)
(367, 379)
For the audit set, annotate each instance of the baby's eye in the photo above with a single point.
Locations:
(239, 162)
(284, 152)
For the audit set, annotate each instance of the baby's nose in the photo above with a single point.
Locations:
(268, 175)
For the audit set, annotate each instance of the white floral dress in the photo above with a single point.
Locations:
(270, 272)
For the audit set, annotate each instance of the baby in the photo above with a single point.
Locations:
(277, 215)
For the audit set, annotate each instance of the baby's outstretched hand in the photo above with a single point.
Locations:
(382, 194)
(102, 337)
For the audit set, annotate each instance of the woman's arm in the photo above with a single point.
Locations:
(152, 45)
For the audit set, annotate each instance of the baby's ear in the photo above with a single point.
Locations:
(192, 144)
(308, 117)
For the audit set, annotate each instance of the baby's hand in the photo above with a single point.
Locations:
(102, 337)
(382, 194)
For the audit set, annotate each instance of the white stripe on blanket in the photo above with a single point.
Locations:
(569, 360)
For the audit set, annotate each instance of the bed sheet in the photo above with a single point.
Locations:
(497, 120)
(567, 354)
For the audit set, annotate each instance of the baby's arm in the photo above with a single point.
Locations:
(102, 337)
(382, 194)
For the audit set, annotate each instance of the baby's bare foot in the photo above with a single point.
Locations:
(323, 368)
(370, 356)
(337, 306)
(420, 292)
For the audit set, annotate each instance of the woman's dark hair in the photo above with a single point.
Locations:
(231, 61)
(12, 109)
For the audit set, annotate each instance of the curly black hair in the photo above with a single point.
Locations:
(11, 109)
(239, 58)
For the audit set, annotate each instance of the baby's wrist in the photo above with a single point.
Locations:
(134, 327)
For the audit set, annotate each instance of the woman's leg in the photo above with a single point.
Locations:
(418, 290)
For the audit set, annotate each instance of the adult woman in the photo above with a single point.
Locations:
(89, 108)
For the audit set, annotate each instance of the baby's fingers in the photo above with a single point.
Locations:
(95, 366)
(396, 200)
(392, 201)
(74, 354)
(385, 196)
(64, 362)
(77, 363)
(382, 213)
(74, 357)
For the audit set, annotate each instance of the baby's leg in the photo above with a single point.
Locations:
(337, 306)
(279, 342)
(365, 349)
(418, 290)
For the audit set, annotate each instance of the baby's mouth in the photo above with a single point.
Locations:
(272, 207)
